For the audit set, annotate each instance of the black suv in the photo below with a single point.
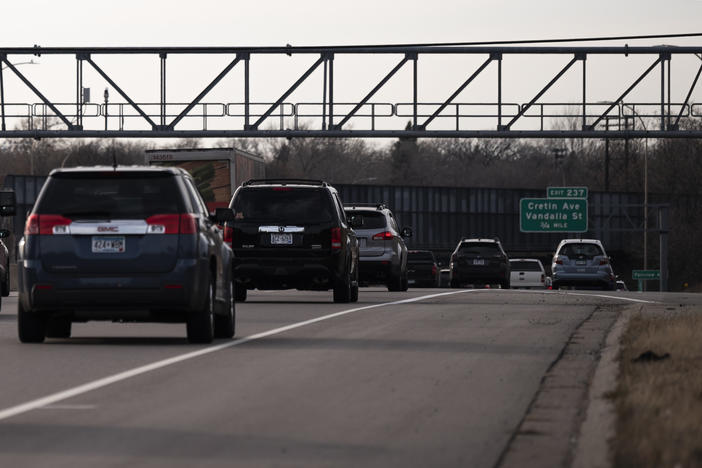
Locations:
(7, 208)
(292, 233)
(124, 244)
(479, 262)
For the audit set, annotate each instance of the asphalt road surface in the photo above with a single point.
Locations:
(430, 377)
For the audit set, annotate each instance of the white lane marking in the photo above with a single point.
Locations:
(568, 293)
(96, 384)
(68, 407)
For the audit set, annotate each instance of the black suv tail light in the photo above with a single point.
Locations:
(336, 238)
(185, 223)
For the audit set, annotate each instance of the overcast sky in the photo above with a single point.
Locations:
(314, 22)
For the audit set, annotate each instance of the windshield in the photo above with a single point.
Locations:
(479, 249)
(521, 265)
(367, 219)
(418, 256)
(581, 251)
(110, 195)
(283, 205)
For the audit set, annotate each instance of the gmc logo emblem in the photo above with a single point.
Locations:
(108, 229)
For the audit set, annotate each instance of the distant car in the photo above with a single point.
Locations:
(4, 265)
(479, 261)
(422, 269)
(527, 273)
(123, 244)
(444, 278)
(292, 234)
(582, 263)
(383, 253)
(621, 286)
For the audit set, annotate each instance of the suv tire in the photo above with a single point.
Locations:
(200, 323)
(354, 287)
(225, 325)
(405, 282)
(6, 283)
(455, 283)
(58, 327)
(395, 283)
(239, 292)
(342, 288)
(505, 284)
(31, 326)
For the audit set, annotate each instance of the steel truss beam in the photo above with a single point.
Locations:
(332, 122)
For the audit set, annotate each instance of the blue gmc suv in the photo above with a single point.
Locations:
(124, 244)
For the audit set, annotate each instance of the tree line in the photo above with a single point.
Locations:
(674, 169)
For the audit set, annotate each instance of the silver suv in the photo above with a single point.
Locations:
(582, 262)
(383, 254)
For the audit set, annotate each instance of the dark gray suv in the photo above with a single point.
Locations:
(383, 254)
(124, 244)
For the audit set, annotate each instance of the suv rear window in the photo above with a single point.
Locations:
(581, 251)
(283, 205)
(420, 256)
(484, 249)
(525, 266)
(111, 195)
(370, 219)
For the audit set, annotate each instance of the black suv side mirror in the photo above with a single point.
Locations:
(4, 233)
(7, 202)
(223, 215)
(406, 232)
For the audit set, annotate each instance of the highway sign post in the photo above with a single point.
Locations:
(566, 192)
(552, 215)
(644, 275)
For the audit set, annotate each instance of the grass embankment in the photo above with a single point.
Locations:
(659, 403)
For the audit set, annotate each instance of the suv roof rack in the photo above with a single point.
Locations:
(377, 206)
(321, 183)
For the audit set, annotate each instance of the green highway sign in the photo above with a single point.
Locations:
(552, 215)
(646, 274)
(566, 192)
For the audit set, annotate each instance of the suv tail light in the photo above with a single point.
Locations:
(185, 223)
(336, 238)
(604, 261)
(559, 261)
(387, 235)
(433, 270)
(46, 224)
(228, 234)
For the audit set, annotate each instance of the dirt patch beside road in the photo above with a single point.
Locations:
(658, 398)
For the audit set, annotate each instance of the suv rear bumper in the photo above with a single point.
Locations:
(316, 273)
(599, 279)
(464, 275)
(154, 297)
(375, 269)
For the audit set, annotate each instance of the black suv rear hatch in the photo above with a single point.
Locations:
(282, 220)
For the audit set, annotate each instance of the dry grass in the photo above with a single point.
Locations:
(659, 404)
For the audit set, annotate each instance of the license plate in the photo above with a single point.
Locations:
(105, 244)
(281, 239)
(478, 262)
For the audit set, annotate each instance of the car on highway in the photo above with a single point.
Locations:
(422, 269)
(479, 261)
(527, 273)
(383, 253)
(7, 208)
(125, 244)
(444, 278)
(4, 265)
(582, 263)
(292, 234)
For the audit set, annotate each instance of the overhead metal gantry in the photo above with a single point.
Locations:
(612, 118)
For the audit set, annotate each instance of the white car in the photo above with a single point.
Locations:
(527, 273)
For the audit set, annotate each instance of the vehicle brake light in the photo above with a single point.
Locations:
(387, 235)
(185, 223)
(228, 235)
(433, 269)
(604, 261)
(46, 224)
(559, 261)
(336, 238)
